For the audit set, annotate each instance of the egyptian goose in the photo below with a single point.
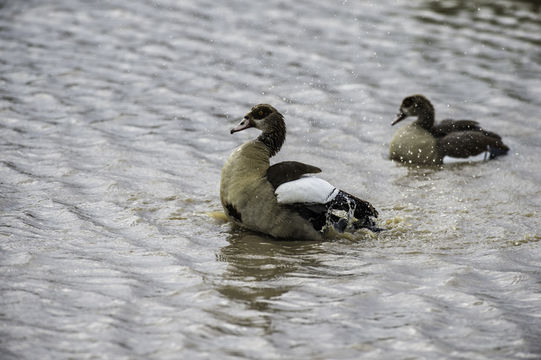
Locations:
(424, 142)
(282, 200)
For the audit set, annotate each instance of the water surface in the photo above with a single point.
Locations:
(115, 121)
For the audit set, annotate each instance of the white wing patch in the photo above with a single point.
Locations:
(480, 157)
(307, 189)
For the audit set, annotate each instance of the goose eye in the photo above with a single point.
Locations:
(260, 114)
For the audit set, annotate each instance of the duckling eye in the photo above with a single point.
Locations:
(260, 113)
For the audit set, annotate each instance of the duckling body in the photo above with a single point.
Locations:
(426, 143)
(282, 200)
(415, 145)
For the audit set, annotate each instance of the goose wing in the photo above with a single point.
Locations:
(286, 171)
(323, 204)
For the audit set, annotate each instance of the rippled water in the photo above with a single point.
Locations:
(114, 124)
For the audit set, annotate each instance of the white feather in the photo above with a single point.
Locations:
(306, 190)
(481, 157)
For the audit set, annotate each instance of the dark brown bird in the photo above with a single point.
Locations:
(424, 142)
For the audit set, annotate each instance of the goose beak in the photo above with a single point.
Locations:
(244, 124)
(399, 117)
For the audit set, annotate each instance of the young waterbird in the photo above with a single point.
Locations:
(426, 143)
(282, 200)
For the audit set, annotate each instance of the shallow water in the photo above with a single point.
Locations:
(114, 126)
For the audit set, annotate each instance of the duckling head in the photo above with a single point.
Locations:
(416, 105)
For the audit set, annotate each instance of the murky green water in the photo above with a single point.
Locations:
(114, 125)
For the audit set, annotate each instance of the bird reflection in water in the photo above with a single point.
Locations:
(261, 268)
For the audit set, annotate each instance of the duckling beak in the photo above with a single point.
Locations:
(244, 124)
(399, 117)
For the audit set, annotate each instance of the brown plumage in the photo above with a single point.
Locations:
(250, 187)
(424, 142)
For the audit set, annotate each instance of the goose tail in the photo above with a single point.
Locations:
(348, 211)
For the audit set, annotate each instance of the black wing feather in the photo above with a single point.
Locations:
(463, 144)
(448, 126)
(286, 171)
(320, 215)
(464, 138)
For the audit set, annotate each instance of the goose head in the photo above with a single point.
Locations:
(267, 119)
(263, 117)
